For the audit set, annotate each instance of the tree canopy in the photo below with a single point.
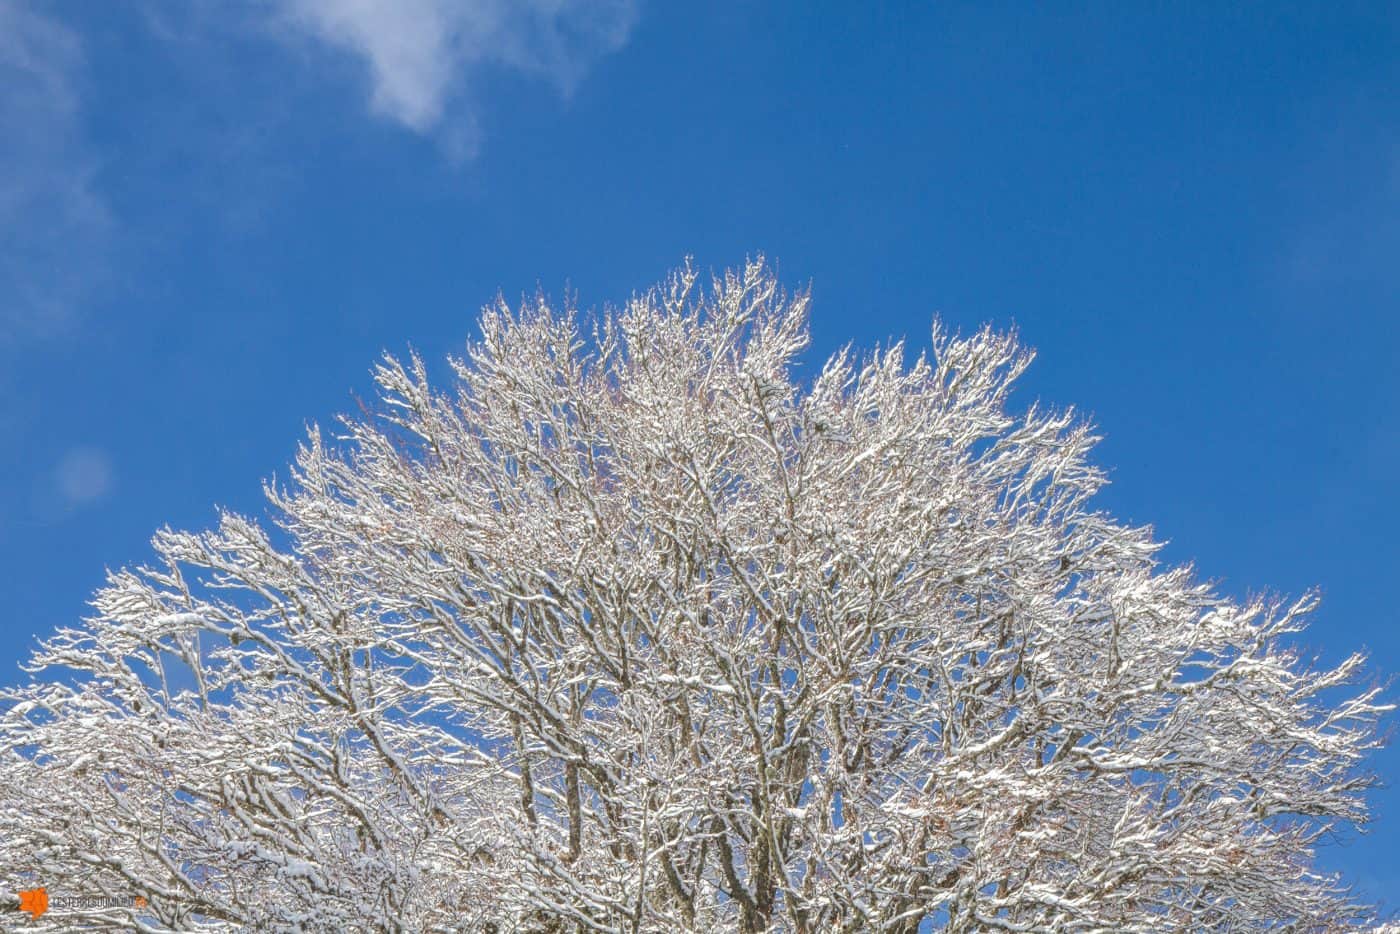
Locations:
(631, 629)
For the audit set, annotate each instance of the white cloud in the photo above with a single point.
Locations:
(52, 221)
(421, 54)
(82, 476)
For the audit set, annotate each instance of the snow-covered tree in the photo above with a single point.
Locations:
(630, 630)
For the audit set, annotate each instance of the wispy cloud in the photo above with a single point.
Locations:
(422, 61)
(53, 223)
(1353, 238)
(422, 55)
(82, 476)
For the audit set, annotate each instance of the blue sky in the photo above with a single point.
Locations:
(214, 216)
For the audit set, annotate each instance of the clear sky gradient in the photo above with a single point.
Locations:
(214, 216)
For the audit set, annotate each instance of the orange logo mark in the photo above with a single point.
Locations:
(140, 901)
(34, 901)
